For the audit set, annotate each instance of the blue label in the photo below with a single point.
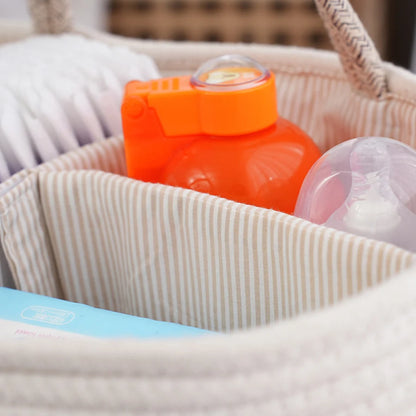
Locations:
(47, 312)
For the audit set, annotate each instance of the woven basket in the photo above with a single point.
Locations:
(312, 321)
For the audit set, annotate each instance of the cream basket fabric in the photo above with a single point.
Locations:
(312, 321)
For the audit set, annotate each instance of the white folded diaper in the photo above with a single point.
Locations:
(61, 92)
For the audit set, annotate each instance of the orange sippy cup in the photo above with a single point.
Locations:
(217, 132)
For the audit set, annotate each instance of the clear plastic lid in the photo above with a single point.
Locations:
(229, 73)
(366, 186)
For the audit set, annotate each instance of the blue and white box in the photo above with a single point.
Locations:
(25, 314)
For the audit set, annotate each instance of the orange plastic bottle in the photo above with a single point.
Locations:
(217, 132)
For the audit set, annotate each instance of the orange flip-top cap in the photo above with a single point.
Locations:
(183, 109)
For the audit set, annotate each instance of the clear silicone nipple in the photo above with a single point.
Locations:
(373, 175)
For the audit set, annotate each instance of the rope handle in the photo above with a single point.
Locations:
(359, 57)
(51, 16)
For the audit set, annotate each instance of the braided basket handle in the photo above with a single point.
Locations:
(359, 57)
(51, 16)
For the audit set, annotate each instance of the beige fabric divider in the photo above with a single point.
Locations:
(25, 239)
(170, 254)
(173, 254)
(39, 264)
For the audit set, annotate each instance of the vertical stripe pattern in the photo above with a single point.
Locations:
(25, 239)
(167, 253)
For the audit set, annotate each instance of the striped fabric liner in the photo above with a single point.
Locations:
(88, 157)
(25, 238)
(207, 262)
(107, 157)
(178, 255)
(331, 114)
